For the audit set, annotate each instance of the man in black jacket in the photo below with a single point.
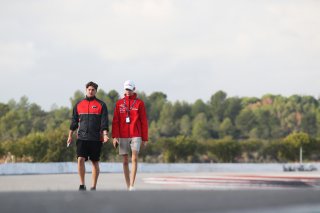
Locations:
(90, 118)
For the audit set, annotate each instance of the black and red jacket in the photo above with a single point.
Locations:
(138, 126)
(90, 117)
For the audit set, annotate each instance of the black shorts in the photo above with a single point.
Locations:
(89, 149)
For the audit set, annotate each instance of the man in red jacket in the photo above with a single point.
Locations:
(129, 130)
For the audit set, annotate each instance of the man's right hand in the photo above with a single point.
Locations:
(69, 141)
(115, 142)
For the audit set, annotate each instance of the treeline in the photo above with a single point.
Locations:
(224, 129)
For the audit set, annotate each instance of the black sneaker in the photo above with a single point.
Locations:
(93, 189)
(82, 188)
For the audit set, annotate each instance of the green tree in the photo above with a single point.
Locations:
(57, 150)
(198, 107)
(185, 149)
(232, 108)
(226, 150)
(217, 105)
(267, 124)
(251, 150)
(309, 123)
(226, 128)
(200, 129)
(156, 102)
(180, 149)
(294, 142)
(35, 146)
(77, 96)
(318, 123)
(273, 151)
(102, 95)
(180, 109)
(36, 117)
(21, 120)
(246, 121)
(166, 123)
(298, 139)
(154, 132)
(2, 150)
(185, 126)
(4, 108)
(110, 99)
(56, 117)
(167, 147)
(246, 101)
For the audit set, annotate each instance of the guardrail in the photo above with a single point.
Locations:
(71, 167)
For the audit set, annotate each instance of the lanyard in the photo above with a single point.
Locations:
(125, 105)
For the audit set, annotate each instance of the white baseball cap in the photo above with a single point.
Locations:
(129, 84)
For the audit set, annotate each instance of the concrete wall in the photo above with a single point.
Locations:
(71, 167)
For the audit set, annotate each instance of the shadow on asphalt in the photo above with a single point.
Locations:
(304, 200)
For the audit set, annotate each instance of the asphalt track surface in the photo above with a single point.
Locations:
(171, 192)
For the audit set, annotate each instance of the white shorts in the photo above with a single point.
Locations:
(126, 143)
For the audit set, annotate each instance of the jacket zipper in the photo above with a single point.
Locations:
(129, 116)
(88, 119)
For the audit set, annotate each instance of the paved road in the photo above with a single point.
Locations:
(165, 181)
(171, 192)
(270, 201)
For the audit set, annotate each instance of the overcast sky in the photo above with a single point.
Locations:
(188, 49)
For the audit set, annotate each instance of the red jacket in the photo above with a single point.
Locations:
(138, 126)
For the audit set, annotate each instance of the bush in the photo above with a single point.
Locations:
(226, 150)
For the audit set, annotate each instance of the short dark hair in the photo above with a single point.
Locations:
(91, 83)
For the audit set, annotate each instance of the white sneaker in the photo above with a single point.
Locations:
(131, 188)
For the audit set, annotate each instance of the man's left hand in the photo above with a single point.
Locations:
(105, 138)
(144, 143)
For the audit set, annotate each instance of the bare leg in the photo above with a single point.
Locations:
(95, 173)
(126, 170)
(134, 167)
(81, 169)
